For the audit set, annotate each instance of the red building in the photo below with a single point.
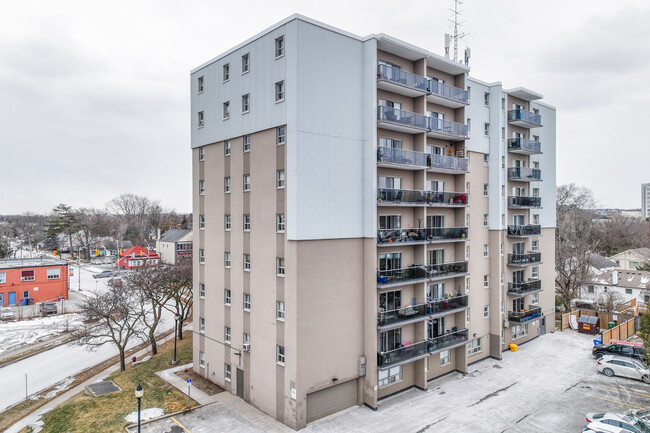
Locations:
(40, 279)
(137, 257)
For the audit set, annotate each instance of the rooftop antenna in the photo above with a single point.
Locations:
(457, 36)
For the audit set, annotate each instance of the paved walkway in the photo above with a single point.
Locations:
(179, 383)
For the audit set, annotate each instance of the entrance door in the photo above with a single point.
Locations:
(12, 298)
(542, 326)
(2, 299)
(240, 383)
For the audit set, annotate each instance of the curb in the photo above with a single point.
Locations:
(169, 415)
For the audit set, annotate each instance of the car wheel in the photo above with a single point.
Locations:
(646, 379)
(608, 372)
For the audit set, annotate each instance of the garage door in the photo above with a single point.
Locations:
(330, 400)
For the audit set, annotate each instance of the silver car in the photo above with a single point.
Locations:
(611, 365)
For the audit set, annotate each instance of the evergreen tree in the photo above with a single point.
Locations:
(65, 220)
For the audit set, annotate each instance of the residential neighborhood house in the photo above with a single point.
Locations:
(137, 257)
(631, 259)
(626, 284)
(174, 244)
(37, 279)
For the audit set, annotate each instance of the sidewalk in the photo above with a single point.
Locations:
(180, 384)
(33, 419)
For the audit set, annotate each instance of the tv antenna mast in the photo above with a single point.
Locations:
(456, 14)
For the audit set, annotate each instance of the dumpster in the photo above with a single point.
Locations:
(513, 347)
(24, 301)
(610, 325)
(598, 341)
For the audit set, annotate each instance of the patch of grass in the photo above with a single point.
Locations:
(106, 414)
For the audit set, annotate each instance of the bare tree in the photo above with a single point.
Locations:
(178, 282)
(93, 225)
(622, 233)
(111, 317)
(608, 301)
(135, 212)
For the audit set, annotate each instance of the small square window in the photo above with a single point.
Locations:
(247, 143)
(279, 91)
(247, 301)
(202, 256)
(485, 220)
(226, 184)
(485, 190)
(279, 47)
(200, 84)
(247, 262)
(486, 250)
(25, 294)
(245, 63)
(226, 72)
(535, 272)
(485, 159)
(227, 372)
(280, 266)
(280, 310)
(486, 311)
(245, 103)
(226, 110)
(201, 325)
(535, 299)
(279, 218)
(486, 129)
(445, 357)
(281, 135)
(227, 297)
(201, 153)
(226, 334)
(247, 182)
(486, 281)
(201, 222)
(226, 259)
(536, 219)
(201, 359)
(535, 245)
(628, 291)
(226, 222)
(226, 147)
(247, 222)
(201, 187)
(200, 125)
(280, 179)
(201, 290)
(280, 355)
(486, 99)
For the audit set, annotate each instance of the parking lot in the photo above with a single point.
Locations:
(548, 385)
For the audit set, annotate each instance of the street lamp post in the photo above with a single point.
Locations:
(176, 319)
(138, 394)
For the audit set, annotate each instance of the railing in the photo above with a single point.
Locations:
(392, 276)
(430, 198)
(447, 305)
(388, 155)
(530, 230)
(525, 316)
(524, 259)
(446, 162)
(409, 312)
(525, 116)
(524, 173)
(447, 91)
(442, 342)
(395, 75)
(520, 201)
(404, 353)
(401, 117)
(444, 233)
(447, 127)
(446, 269)
(405, 235)
(524, 288)
(524, 144)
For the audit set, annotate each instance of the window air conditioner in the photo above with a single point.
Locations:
(247, 347)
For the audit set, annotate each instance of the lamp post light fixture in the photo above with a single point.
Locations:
(176, 319)
(138, 394)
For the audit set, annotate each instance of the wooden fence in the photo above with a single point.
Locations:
(604, 317)
(620, 332)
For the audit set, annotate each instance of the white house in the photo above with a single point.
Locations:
(174, 244)
(631, 259)
(628, 284)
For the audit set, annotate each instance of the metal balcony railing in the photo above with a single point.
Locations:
(526, 174)
(529, 230)
(388, 155)
(521, 115)
(524, 202)
(524, 259)
(401, 117)
(446, 269)
(449, 92)
(429, 234)
(416, 197)
(395, 75)
(446, 162)
(526, 315)
(404, 275)
(446, 341)
(447, 127)
(524, 288)
(524, 145)
(408, 313)
(401, 354)
(447, 305)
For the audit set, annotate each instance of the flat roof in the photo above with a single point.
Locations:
(31, 263)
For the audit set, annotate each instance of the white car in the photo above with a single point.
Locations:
(600, 427)
(611, 365)
(7, 314)
(615, 422)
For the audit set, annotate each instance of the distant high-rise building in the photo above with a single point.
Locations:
(645, 200)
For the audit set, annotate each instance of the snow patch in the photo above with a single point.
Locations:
(152, 412)
(14, 335)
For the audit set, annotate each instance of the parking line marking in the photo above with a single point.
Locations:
(181, 425)
(614, 401)
(627, 390)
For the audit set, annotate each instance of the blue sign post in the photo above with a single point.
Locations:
(189, 387)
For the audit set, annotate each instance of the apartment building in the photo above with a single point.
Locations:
(645, 200)
(370, 217)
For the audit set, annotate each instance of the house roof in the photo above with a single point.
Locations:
(601, 262)
(628, 279)
(174, 235)
(138, 251)
(643, 252)
(31, 263)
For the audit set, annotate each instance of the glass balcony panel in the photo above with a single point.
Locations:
(389, 155)
(401, 235)
(524, 288)
(396, 75)
(445, 162)
(524, 116)
(446, 233)
(446, 269)
(524, 144)
(445, 341)
(401, 117)
(404, 275)
(429, 198)
(526, 174)
(528, 314)
(521, 201)
(524, 259)
(529, 230)
(447, 91)
(447, 305)
(447, 127)
(401, 354)
(402, 314)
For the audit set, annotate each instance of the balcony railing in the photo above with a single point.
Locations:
(447, 127)
(395, 75)
(424, 198)
(446, 341)
(525, 316)
(433, 308)
(388, 155)
(429, 234)
(403, 118)
(524, 259)
(524, 117)
(445, 162)
(530, 230)
(525, 174)
(402, 354)
(448, 305)
(524, 202)
(404, 275)
(449, 92)
(446, 269)
(524, 145)
(524, 288)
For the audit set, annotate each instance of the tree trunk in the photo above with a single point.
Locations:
(154, 346)
(180, 329)
(71, 249)
(122, 361)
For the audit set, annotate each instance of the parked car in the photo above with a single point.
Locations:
(611, 365)
(600, 427)
(622, 421)
(7, 314)
(619, 349)
(103, 274)
(49, 308)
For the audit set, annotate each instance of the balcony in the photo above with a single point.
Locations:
(400, 120)
(525, 119)
(415, 313)
(524, 146)
(410, 160)
(520, 202)
(402, 355)
(394, 277)
(447, 164)
(446, 129)
(449, 96)
(443, 307)
(526, 315)
(397, 81)
(405, 197)
(523, 289)
(448, 341)
(524, 174)
(524, 231)
(522, 260)
(413, 236)
(446, 234)
(446, 270)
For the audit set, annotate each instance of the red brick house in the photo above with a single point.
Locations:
(136, 257)
(42, 280)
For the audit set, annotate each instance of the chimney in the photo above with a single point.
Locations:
(615, 278)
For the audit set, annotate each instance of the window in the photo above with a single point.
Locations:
(535, 299)
(502, 248)
(503, 104)
(226, 110)
(467, 284)
(279, 91)
(486, 311)
(202, 256)
(474, 346)
(247, 222)
(590, 289)
(245, 103)
(485, 159)
(52, 274)
(226, 222)
(486, 99)
(387, 377)
(226, 184)
(245, 63)
(279, 310)
(279, 261)
(485, 220)
(467, 316)
(466, 188)
(503, 162)
(519, 331)
(247, 143)
(247, 262)
(502, 278)
(503, 306)
(3, 277)
(535, 192)
(27, 275)
(279, 47)
(25, 293)
(201, 153)
(486, 281)
(226, 259)
(202, 359)
(227, 298)
(469, 125)
(536, 219)
(202, 222)
(486, 250)
(445, 357)
(200, 119)
(469, 93)
(467, 220)
(279, 179)
(200, 84)
(279, 219)
(536, 165)
(503, 132)
(201, 187)
(226, 72)
(486, 129)
(628, 291)
(201, 290)
(485, 190)
(535, 245)
(247, 338)
(247, 301)
(280, 355)
(226, 147)
(535, 272)
(247, 182)
(281, 136)
(227, 372)
(226, 334)
(201, 325)
(467, 252)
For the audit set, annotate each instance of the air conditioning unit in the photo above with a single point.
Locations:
(506, 323)
(247, 347)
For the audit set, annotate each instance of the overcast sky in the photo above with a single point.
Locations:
(94, 97)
